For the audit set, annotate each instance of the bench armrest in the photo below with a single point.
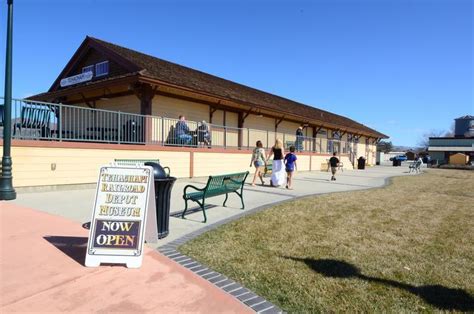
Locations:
(193, 187)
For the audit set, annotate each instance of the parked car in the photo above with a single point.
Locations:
(399, 157)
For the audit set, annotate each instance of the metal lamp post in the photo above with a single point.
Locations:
(7, 192)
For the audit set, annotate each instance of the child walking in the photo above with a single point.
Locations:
(290, 167)
(258, 160)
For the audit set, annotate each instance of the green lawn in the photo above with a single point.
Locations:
(405, 247)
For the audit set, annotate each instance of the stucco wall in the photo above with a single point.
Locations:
(33, 166)
(38, 166)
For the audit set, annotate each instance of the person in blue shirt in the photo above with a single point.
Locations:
(299, 139)
(290, 167)
(182, 131)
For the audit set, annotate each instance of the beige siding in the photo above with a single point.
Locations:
(232, 138)
(259, 123)
(172, 108)
(231, 119)
(319, 135)
(259, 135)
(206, 164)
(130, 104)
(218, 117)
(303, 163)
(289, 128)
(321, 162)
(33, 166)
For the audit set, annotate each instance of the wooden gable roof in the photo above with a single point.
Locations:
(146, 66)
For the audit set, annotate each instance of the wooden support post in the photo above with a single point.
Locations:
(90, 105)
(315, 135)
(225, 130)
(277, 123)
(240, 125)
(211, 113)
(145, 94)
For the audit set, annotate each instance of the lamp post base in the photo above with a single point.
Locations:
(7, 192)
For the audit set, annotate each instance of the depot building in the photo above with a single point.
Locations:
(113, 102)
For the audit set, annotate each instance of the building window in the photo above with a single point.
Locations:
(89, 68)
(102, 68)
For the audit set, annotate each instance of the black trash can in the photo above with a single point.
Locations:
(395, 162)
(361, 163)
(163, 187)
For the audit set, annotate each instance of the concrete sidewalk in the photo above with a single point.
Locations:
(77, 204)
(43, 251)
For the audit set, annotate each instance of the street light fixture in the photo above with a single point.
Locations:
(7, 192)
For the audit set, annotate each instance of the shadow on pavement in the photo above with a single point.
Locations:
(332, 182)
(74, 247)
(192, 210)
(443, 298)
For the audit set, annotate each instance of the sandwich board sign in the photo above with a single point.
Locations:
(123, 216)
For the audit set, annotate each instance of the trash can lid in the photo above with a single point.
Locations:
(158, 170)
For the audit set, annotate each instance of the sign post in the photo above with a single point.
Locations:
(119, 218)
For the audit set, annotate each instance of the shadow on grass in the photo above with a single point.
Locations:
(74, 247)
(439, 296)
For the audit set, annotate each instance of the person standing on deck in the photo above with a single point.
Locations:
(299, 139)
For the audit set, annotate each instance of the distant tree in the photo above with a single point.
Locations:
(425, 138)
(384, 146)
(450, 133)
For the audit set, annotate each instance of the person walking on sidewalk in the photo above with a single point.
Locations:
(290, 167)
(333, 162)
(278, 168)
(258, 160)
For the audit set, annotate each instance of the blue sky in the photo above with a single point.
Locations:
(403, 67)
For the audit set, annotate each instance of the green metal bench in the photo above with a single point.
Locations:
(216, 185)
(133, 162)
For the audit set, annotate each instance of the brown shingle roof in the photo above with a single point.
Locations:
(182, 76)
